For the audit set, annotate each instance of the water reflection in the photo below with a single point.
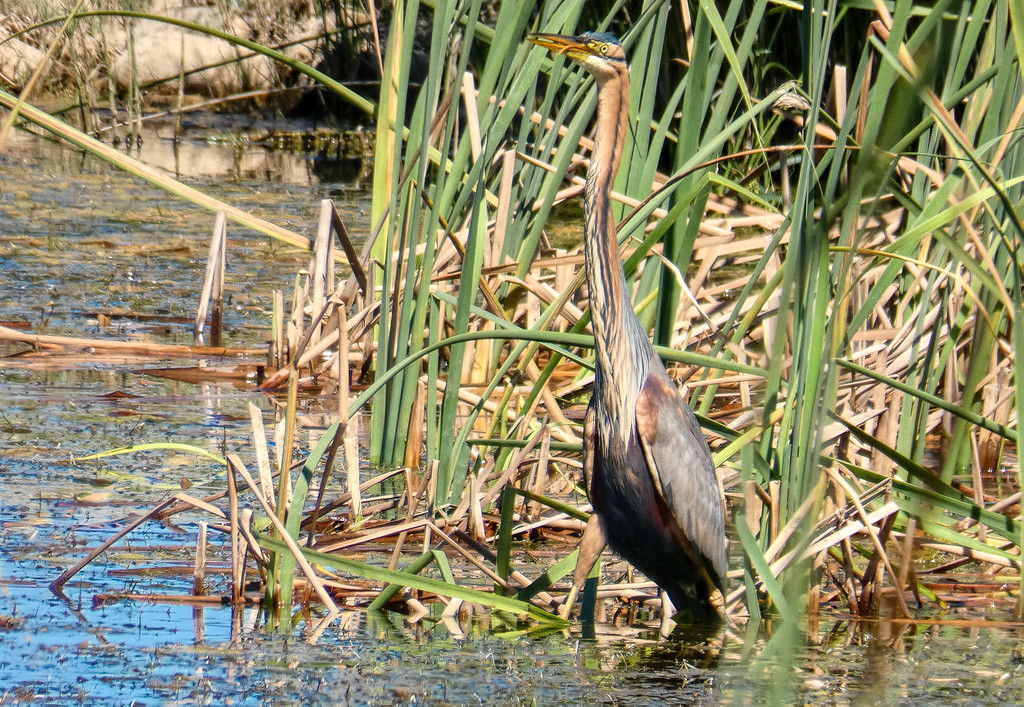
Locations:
(129, 649)
(208, 146)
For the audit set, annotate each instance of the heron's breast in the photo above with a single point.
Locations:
(624, 495)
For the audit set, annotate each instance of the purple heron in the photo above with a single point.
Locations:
(648, 470)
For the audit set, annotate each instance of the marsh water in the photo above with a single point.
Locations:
(78, 238)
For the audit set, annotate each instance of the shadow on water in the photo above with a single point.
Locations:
(80, 238)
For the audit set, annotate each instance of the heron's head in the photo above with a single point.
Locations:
(599, 53)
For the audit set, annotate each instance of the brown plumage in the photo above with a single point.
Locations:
(650, 477)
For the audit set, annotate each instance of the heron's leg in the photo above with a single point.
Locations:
(667, 611)
(590, 548)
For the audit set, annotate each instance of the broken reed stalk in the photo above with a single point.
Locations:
(278, 335)
(263, 467)
(237, 560)
(150, 515)
(879, 546)
(211, 296)
(199, 574)
(201, 600)
(349, 430)
(311, 519)
(296, 551)
(141, 349)
(321, 270)
(252, 545)
(412, 502)
(56, 584)
(346, 498)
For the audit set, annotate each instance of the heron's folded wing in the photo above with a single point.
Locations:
(681, 467)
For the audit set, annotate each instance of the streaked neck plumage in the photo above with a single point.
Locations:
(623, 349)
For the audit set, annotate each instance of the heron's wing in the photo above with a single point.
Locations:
(680, 464)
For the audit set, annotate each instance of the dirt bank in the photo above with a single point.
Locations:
(104, 53)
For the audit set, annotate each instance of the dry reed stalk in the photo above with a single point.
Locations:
(977, 483)
(819, 543)
(201, 600)
(356, 261)
(515, 464)
(276, 356)
(199, 574)
(371, 536)
(539, 479)
(575, 386)
(968, 553)
(312, 352)
(450, 612)
(560, 521)
(774, 510)
(151, 174)
(877, 539)
(141, 349)
(212, 292)
(477, 363)
(346, 498)
(754, 501)
(997, 405)
(396, 551)
(490, 406)
(300, 559)
(873, 587)
(304, 360)
(253, 547)
(185, 499)
(200, 504)
(473, 560)
(908, 575)
(259, 441)
(496, 244)
(349, 427)
(568, 312)
(184, 506)
(56, 584)
(780, 540)
(284, 438)
(997, 507)
(729, 247)
(578, 184)
(237, 553)
(769, 325)
(321, 268)
(412, 503)
(475, 496)
(469, 98)
(293, 332)
(319, 627)
(563, 428)
(311, 519)
(417, 423)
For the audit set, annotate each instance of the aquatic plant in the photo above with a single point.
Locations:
(843, 211)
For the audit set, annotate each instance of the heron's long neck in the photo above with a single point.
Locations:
(615, 323)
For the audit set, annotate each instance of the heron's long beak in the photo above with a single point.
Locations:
(571, 46)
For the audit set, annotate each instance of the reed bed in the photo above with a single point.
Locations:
(832, 268)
